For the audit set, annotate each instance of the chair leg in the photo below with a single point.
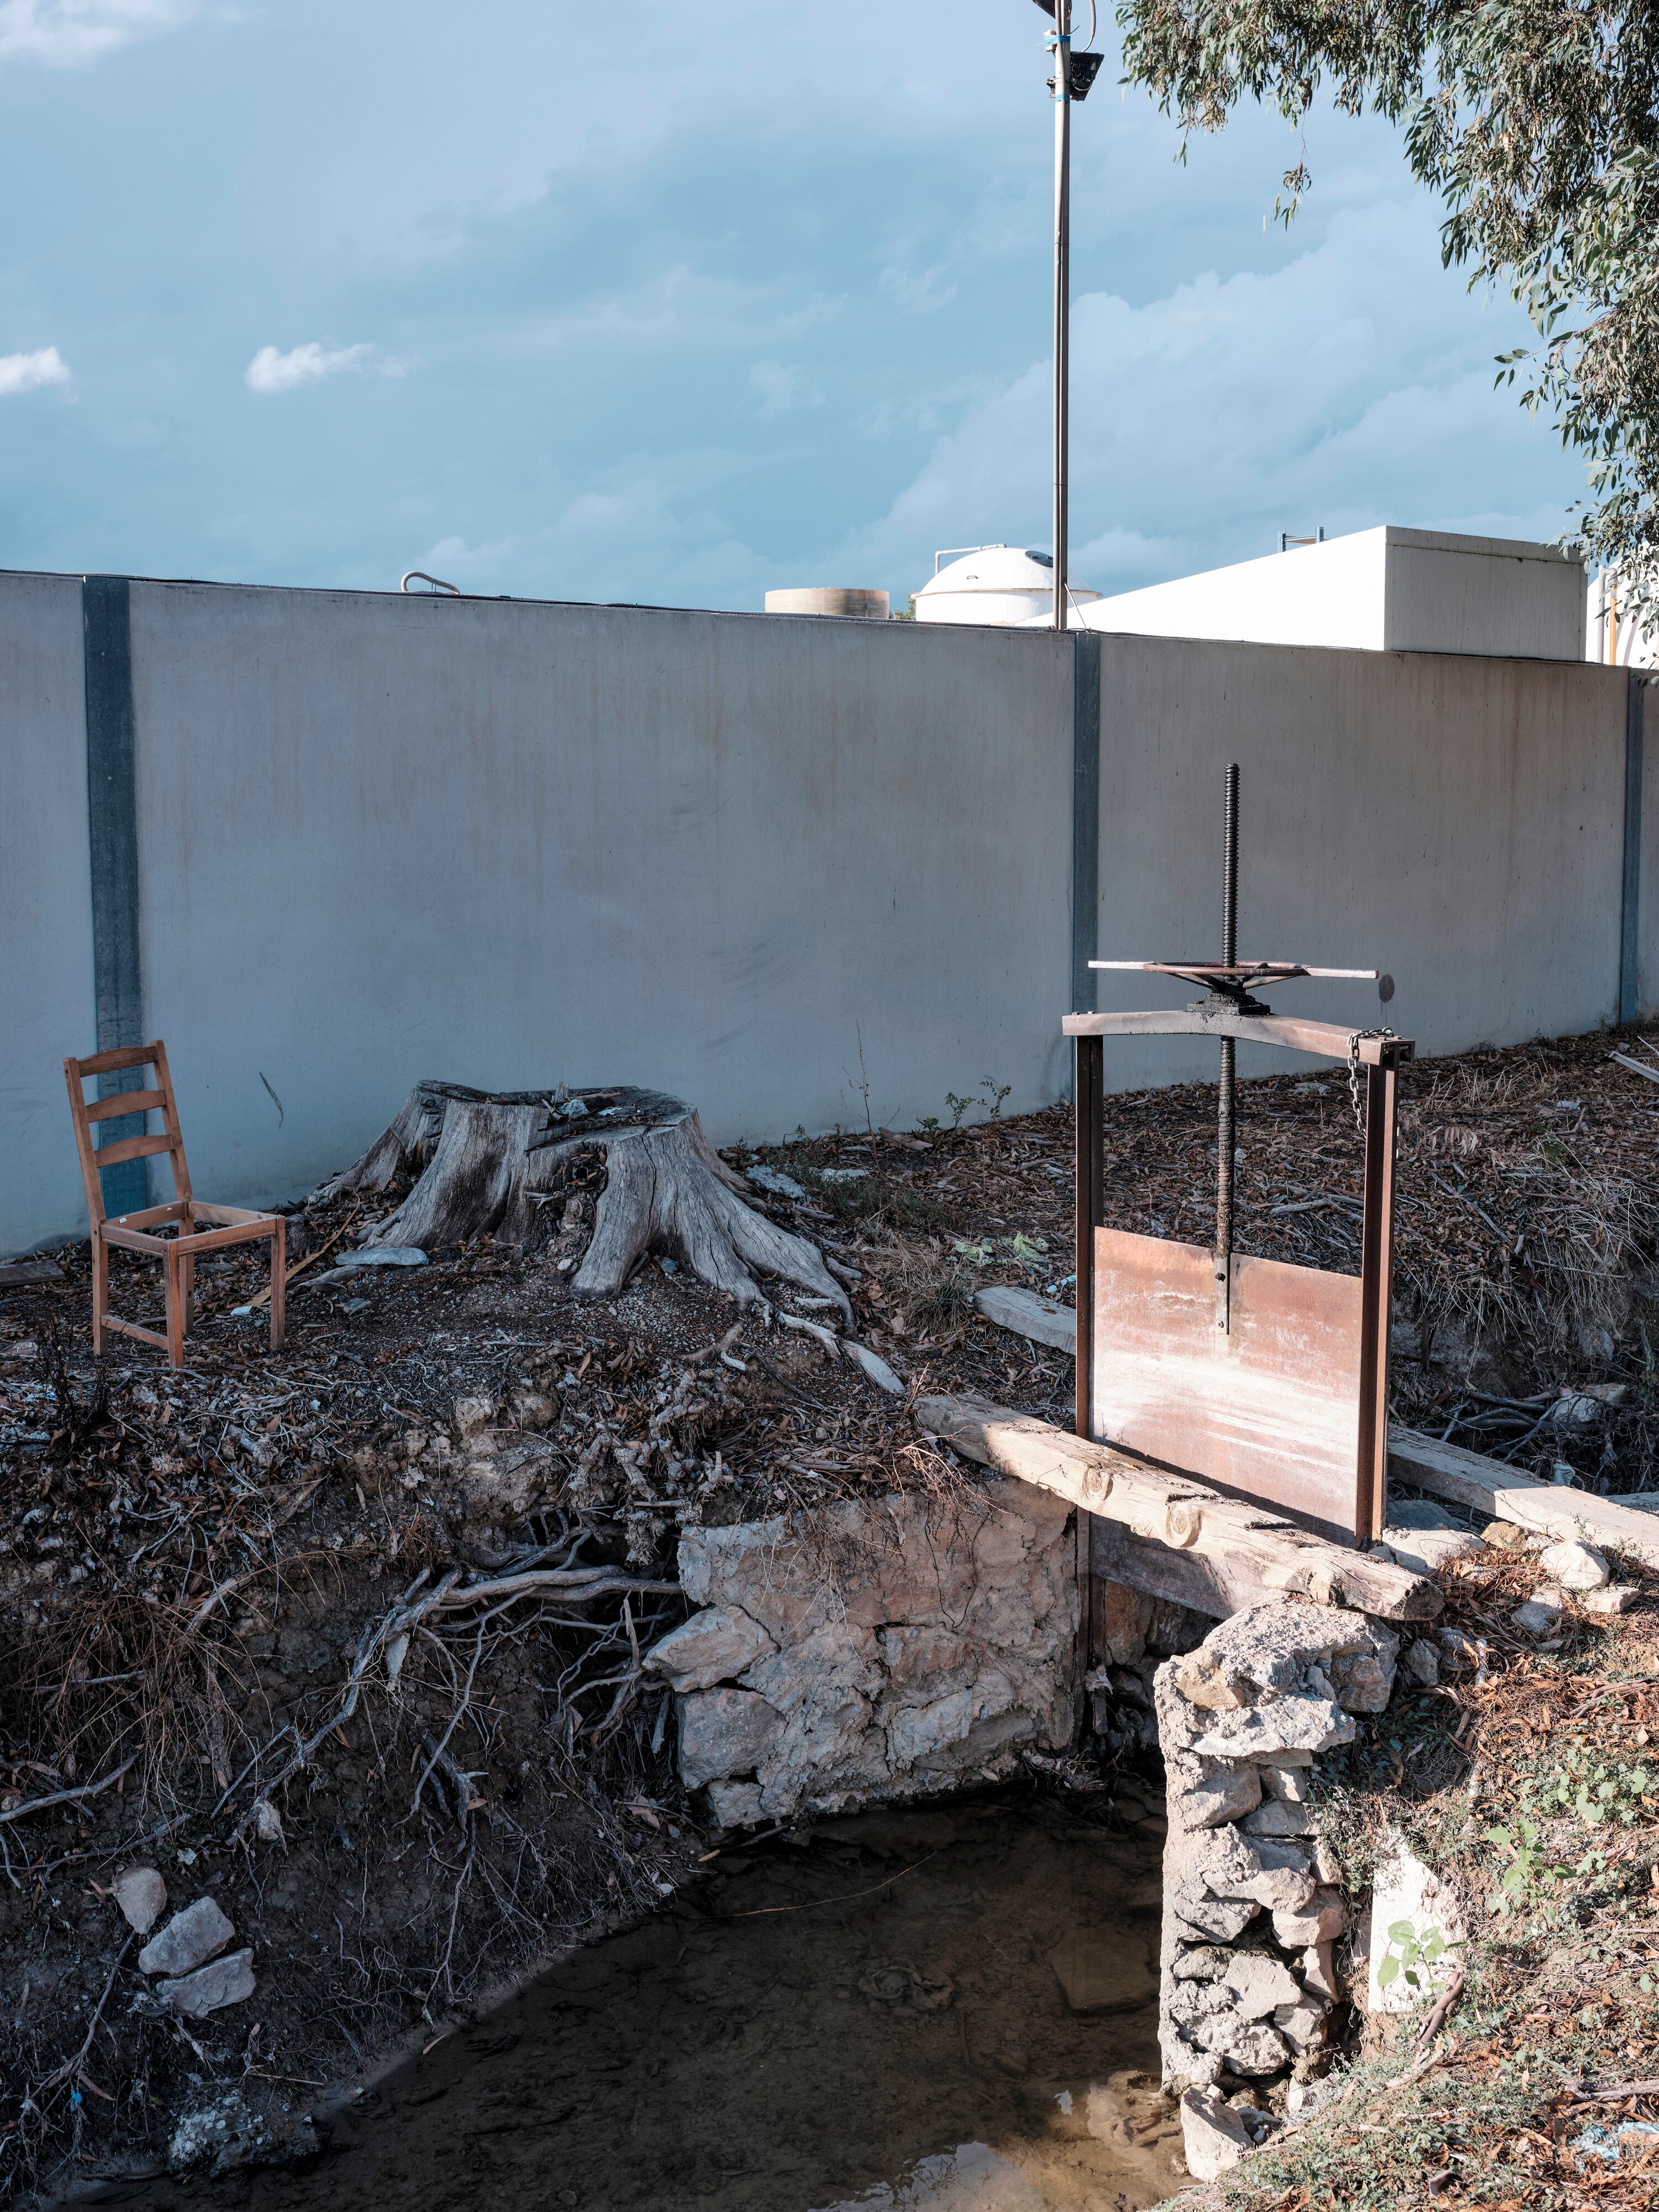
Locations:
(187, 1276)
(175, 1267)
(99, 1290)
(278, 1285)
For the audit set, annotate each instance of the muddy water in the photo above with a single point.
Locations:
(879, 2019)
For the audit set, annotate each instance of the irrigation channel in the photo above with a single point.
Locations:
(952, 2008)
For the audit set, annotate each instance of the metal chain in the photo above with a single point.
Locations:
(1353, 1071)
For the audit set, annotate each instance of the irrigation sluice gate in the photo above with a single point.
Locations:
(1269, 1380)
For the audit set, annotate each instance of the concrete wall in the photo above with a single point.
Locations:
(1456, 821)
(1389, 589)
(381, 838)
(46, 905)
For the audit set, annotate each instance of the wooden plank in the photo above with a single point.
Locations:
(131, 1148)
(125, 1102)
(241, 1232)
(106, 1063)
(1169, 1510)
(149, 1216)
(1286, 1030)
(131, 1328)
(16, 1273)
(1045, 1321)
(1465, 1477)
(1206, 1582)
(135, 1240)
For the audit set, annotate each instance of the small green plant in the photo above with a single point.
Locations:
(1596, 1790)
(1410, 1958)
(930, 1122)
(1528, 1875)
(958, 1107)
(998, 1093)
(979, 1254)
(1029, 1251)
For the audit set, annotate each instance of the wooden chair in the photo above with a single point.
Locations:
(177, 1250)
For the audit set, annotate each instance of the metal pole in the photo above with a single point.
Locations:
(1224, 1143)
(1062, 292)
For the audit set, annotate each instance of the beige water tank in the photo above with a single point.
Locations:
(829, 599)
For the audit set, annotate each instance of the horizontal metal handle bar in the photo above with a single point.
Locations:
(1249, 970)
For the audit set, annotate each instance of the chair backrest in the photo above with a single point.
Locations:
(158, 1100)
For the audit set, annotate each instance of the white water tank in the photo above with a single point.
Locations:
(997, 584)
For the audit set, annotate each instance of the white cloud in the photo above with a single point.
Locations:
(781, 390)
(68, 34)
(917, 291)
(28, 372)
(1349, 386)
(270, 371)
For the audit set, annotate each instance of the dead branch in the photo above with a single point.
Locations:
(69, 1796)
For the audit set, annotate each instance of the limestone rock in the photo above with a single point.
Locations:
(1541, 1612)
(1185, 2065)
(1575, 1566)
(1248, 2047)
(1617, 1597)
(735, 1804)
(1260, 1985)
(143, 1896)
(1269, 1647)
(1277, 1818)
(724, 1732)
(221, 1982)
(1424, 1552)
(1202, 1962)
(189, 1938)
(1319, 1975)
(713, 1646)
(1224, 1793)
(1287, 1785)
(1290, 1724)
(1406, 1893)
(1302, 2024)
(1321, 1920)
(1195, 1916)
(1414, 1513)
(1212, 2137)
(1421, 1663)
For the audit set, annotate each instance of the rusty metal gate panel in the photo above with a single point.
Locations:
(1272, 1407)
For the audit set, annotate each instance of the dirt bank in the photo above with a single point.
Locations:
(195, 1567)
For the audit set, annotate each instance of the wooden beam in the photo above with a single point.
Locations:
(1486, 1485)
(1256, 1548)
(1288, 1030)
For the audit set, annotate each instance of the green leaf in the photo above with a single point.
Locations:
(1403, 1932)
(1388, 1972)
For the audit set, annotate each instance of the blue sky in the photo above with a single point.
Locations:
(675, 306)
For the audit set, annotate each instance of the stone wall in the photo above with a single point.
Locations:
(1253, 1909)
(874, 1651)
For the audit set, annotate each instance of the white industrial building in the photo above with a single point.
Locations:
(1388, 589)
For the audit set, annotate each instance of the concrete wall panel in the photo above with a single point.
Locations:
(45, 903)
(512, 844)
(1456, 821)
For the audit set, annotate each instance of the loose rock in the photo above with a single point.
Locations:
(189, 1938)
(1575, 1566)
(1212, 2137)
(143, 1896)
(221, 1982)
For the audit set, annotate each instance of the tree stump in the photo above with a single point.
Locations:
(498, 1162)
